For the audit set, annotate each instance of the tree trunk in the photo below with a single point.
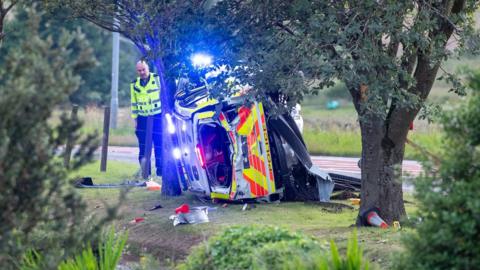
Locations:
(170, 179)
(382, 156)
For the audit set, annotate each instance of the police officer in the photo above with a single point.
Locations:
(146, 106)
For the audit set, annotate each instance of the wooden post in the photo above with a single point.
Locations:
(69, 143)
(106, 129)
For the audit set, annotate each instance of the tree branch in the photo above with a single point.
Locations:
(286, 28)
(449, 8)
(3, 13)
(6, 10)
(425, 74)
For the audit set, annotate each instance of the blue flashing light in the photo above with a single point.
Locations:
(201, 60)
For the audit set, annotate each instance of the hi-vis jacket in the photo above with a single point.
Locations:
(146, 99)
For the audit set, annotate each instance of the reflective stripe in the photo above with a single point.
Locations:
(135, 111)
(156, 109)
(147, 112)
(215, 195)
(153, 90)
(136, 89)
(204, 115)
(145, 103)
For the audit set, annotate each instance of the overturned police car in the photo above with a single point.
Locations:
(234, 149)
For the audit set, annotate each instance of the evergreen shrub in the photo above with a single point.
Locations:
(448, 234)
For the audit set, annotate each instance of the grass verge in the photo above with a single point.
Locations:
(158, 238)
(348, 143)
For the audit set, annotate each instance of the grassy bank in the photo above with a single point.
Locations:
(157, 237)
(337, 132)
(348, 143)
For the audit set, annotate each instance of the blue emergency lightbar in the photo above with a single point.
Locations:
(201, 60)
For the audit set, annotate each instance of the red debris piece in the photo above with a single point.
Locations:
(184, 208)
(137, 220)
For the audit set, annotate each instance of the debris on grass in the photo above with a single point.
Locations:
(184, 209)
(354, 201)
(344, 195)
(152, 185)
(194, 215)
(137, 220)
(331, 207)
(248, 206)
(87, 182)
(396, 225)
(155, 207)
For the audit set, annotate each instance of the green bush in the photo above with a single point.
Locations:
(262, 248)
(239, 247)
(448, 235)
(285, 255)
(281, 255)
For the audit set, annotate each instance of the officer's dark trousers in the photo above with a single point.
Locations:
(144, 156)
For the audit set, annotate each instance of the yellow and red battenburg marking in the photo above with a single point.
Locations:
(246, 121)
(267, 147)
(223, 121)
(255, 189)
(256, 174)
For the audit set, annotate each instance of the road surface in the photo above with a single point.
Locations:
(345, 165)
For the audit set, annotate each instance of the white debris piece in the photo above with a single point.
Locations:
(194, 216)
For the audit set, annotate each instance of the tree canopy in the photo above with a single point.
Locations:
(387, 53)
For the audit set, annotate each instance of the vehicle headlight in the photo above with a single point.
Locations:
(170, 126)
(176, 153)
